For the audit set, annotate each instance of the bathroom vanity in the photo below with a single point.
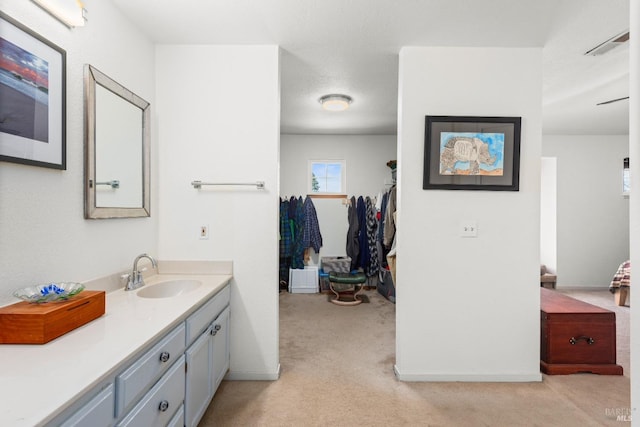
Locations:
(155, 358)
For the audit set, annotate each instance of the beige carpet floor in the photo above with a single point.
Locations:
(346, 378)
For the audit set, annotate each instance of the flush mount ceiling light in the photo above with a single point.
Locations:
(335, 102)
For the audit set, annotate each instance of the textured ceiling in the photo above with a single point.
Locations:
(352, 46)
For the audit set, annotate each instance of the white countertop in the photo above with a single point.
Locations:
(38, 381)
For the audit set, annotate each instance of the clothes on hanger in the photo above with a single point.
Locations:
(353, 247)
(372, 227)
(389, 221)
(311, 237)
(299, 231)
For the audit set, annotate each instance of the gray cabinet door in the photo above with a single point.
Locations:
(220, 347)
(199, 384)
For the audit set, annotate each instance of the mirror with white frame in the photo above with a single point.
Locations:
(117, 138)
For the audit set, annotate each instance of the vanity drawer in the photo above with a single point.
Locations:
(200, 320)
(97, 412)
(161, 403)
(178, 418)
(141, 375)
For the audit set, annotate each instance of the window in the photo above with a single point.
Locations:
(327, 177)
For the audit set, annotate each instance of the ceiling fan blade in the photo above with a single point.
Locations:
(612, 101)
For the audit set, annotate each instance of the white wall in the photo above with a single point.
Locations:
(634, 212)
(549, 213)
(219, 115)
(43, 233)
(468, 308)
(366, 159)
(592, 215)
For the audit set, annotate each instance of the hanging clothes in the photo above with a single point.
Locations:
(311, 236)
(382, 251)
(372, 228)
(363, 242)
(297, 260)
(389, 221)
(353, 248)
(286, 242)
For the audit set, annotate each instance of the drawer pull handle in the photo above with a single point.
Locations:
(164, 356)
(164, 405)
(588, 340)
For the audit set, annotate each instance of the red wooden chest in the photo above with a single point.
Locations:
(576, 336)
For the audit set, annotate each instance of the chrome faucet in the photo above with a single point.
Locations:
(134, 279)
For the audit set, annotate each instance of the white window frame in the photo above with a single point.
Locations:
(343, 176)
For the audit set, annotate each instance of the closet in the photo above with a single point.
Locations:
(362, 229)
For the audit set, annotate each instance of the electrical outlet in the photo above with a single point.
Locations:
(204, 232)
(468, 229)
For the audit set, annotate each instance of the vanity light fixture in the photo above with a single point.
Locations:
(335, 102)
(70, 12)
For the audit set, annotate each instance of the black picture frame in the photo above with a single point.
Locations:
(472, 153)
(32, 97)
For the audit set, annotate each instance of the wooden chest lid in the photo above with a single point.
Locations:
(553, 302)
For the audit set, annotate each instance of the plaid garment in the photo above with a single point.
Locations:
(622, 276)
(298, 224)
(311, 237)
(286, 242)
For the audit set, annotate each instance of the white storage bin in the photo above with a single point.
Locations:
(303, 281)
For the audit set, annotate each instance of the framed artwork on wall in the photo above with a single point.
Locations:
(32, 97)
(471, 153)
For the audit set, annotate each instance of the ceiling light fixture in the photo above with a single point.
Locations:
(70, 12)
(335, 102)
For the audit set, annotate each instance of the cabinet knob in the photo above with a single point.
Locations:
(213, 332)
(164, 356)
(164, 405)
(217, 327)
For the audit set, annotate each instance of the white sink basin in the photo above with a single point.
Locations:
(168, 289)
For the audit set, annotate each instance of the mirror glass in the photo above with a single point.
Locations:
(116, 149)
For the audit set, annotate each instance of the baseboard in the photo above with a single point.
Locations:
(581, 288)
(253, 376)
(471, 378)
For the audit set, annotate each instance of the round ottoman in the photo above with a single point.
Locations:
(347, 287)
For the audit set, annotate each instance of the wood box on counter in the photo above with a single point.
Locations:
(576, 336)
(28, 323)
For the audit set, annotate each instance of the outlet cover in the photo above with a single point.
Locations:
(468, 229)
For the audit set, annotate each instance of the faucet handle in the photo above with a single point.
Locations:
(125, 276)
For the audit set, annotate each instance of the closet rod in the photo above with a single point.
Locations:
(198, 184)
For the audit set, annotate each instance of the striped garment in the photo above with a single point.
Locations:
(372, 267)
(622, 276)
